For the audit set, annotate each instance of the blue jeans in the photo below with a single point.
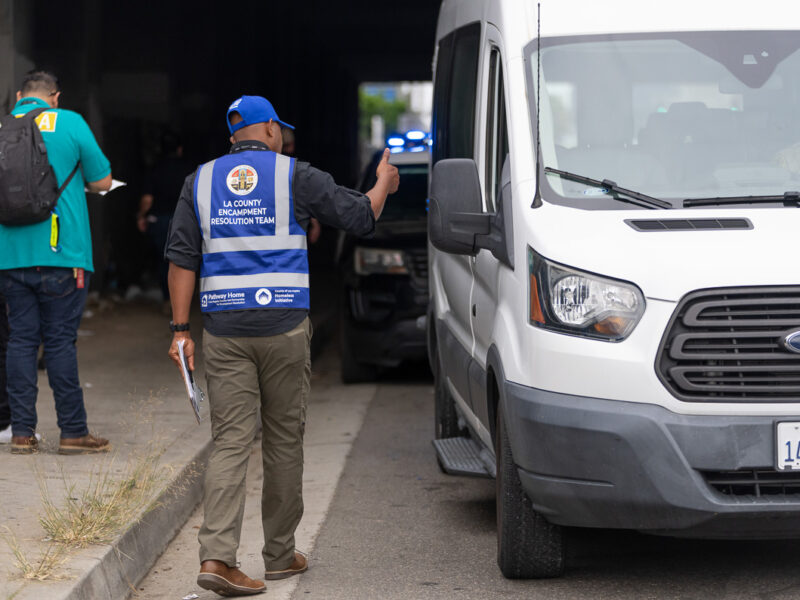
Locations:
(44, 305)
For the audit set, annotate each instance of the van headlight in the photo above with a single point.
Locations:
(574, 302)
(370, 261)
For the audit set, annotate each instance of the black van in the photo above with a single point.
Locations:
(384, 279)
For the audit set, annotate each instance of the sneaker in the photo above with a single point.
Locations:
(6, 435)
(24, 444)
(87, 444)
(300, 565)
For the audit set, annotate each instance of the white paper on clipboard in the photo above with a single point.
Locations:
(196, 395)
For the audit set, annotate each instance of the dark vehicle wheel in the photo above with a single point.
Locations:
(446, 417)
(528, 546)
(351, 370)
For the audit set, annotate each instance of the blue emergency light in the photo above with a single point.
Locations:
(411, 141)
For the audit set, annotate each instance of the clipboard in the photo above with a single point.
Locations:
(196, 395)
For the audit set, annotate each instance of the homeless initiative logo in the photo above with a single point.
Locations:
(242, 179)
(263, 296)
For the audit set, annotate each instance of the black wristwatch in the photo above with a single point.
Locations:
(178, 326)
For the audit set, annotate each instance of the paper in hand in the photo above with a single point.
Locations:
(196, 395)
(115, 183)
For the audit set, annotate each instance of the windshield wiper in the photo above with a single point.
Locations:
(789, 199)
(620, 193)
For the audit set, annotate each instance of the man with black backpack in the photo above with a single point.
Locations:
(47, 156)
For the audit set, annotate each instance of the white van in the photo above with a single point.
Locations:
(614, 320)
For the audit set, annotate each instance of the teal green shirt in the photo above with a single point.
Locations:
(68, 139)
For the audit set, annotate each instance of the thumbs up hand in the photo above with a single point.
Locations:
(387, 173)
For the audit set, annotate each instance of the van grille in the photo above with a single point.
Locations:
(754, 482)
(726, 345)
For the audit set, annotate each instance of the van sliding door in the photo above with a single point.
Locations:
(454, 137)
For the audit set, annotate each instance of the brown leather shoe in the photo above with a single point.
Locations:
(227, 581)
(86, 444)
(300, 565)
(24, 444)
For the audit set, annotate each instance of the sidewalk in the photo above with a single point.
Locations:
(335, 415)
(135, 397)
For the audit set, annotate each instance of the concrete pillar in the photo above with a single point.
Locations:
(6, 55)
(16, 33)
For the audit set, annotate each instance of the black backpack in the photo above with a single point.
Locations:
(28, 186)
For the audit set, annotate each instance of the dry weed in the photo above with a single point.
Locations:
(97, 510)
(107, 504)
(46, 568)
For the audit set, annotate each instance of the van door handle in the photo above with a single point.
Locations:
(474, 310)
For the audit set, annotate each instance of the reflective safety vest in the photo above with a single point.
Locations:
(254, 252)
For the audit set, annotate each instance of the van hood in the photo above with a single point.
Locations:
(667, 264)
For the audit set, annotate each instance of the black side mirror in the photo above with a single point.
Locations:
(500, 241)
(455, 217)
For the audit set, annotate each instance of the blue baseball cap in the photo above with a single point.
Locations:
(253, 109)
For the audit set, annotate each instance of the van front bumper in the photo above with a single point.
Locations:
(589, 462)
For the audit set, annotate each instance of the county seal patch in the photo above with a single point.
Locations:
(242, 179)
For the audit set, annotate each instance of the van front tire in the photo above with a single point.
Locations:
(528, 546)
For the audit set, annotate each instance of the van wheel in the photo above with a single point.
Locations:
(351, 370)
(528, 546)
(446, 417)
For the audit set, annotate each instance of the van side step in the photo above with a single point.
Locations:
(463, 456)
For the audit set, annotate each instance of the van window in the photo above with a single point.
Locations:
(456, 85)
(496, 131)
(444, 64)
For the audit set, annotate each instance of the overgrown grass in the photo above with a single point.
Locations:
(45, 568)
(107, 503)
(116, 495)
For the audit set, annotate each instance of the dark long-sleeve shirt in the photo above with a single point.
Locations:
(315, 194)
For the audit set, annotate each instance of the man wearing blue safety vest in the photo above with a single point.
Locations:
(241, 223)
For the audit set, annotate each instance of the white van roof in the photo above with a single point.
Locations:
(587, 17)
(569, 17)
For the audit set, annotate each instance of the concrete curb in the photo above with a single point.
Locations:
(129, 558)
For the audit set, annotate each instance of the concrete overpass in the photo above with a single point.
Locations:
(133, 68)
(128, 66)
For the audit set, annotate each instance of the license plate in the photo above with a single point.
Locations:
(787, 437)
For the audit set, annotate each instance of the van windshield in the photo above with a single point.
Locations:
(673, 116)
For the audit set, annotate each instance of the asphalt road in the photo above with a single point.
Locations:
(398, 528)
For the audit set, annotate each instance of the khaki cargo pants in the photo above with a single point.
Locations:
(244, 374)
